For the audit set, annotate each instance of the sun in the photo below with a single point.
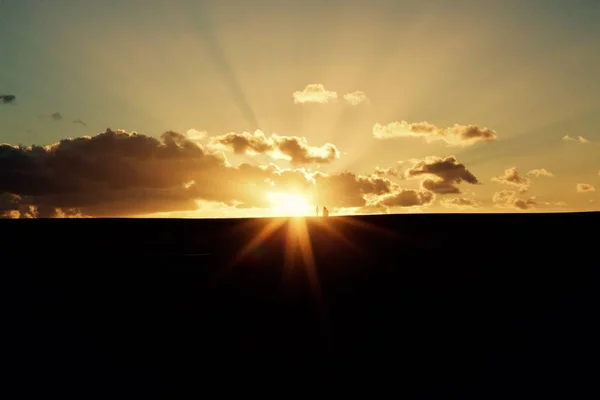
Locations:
(289, 204)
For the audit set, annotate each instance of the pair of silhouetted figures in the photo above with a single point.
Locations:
(325, 211)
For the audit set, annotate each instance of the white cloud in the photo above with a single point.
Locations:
(579, 139)
(194, 134)
(540, 172)
(314, 93)
(356, 98)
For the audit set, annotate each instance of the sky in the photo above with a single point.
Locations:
(138, 108)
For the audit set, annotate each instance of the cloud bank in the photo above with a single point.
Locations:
(118, 173)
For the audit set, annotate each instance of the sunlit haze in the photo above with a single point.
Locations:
(290, 204)
(232, 108)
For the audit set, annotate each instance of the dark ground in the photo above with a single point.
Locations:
(417, 305)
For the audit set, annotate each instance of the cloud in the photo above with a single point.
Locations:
(78, 121)
(118, 173)
(349, 190)
(366, 194)
(553, 203)
(509, 199)
(193, 134)
(394, 172)
(14, 206)
(356, 98)
(56, 116)
(513, 177)
(292, 148)
(585, 187)
(460, 203)
(7, 98)
(456, 135)
(442, 174)
(540, 172)
(314, 93)
(579, 139)
(405, 198)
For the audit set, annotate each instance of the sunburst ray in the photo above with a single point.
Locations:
(266, 232)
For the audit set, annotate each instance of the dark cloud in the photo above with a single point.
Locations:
(442, 175)
(12, 205)
(78, 121)
(112, 174)
(15, 206)
(512, 177)
(348, 189)
(7, 98)
(456, 135)
(292, 148)
(56, 116)
(407, 198)
(367, 194)
(117, 173)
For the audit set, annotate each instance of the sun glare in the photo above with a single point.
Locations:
(289, 204)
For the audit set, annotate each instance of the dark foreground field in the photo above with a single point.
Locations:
(415, 305)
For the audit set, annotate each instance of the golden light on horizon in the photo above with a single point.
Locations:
(289, 204)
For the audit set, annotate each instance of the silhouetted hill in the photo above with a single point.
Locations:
(421, 305)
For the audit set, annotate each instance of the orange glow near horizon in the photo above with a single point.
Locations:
(289, 204)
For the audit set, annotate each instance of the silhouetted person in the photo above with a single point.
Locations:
(317, 211)
(325, 212)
